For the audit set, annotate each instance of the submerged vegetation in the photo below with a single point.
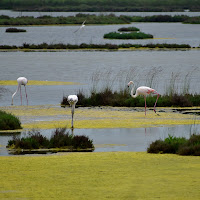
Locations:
(176, 145)
(59, 139)
(133, 35)
(92, 19)
(102, 5)
(9, 121)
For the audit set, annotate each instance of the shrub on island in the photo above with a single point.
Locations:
(132, 35)
(9, 121)
(128, 29)
(14, 30)
(59, 141)
(176, 145)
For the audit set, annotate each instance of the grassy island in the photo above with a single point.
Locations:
(14, 30)
(45, 46)
(60, 139)
(133, 35)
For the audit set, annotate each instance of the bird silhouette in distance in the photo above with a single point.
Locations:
(144, 91)
(82, 26)
(21, 81)
(72, 100)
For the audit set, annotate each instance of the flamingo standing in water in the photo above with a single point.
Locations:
(21, 81)
(144, 91)
(72, 100)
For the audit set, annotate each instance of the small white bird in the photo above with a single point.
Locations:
(72, 100)
(144, 91)
(82, 26)
(21, 81)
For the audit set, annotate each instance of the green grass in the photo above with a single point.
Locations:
(106, 175)
(9, 121)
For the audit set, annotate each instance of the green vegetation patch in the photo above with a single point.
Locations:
(176, 145)
(14, 30)
(9, 121)
(128, 29)
(51, 117)
(133, 35)
(105, 175)
(59, 139)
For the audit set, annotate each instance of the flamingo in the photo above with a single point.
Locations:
(82, 26)
(72, 100)
(21, 81)
(144, 91)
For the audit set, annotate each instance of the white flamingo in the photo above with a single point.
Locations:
(72, 100)
(82, 26)
(21, 81)
(144, 91)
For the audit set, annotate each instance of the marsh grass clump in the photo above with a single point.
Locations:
(59, 139)
(175, 145)
(14, 30)
(132, 35)
(9, 121)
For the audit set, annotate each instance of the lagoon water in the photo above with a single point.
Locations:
(105, 140)
(102, 68)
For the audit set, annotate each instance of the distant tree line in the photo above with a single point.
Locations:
(101, 5)
(93, 19)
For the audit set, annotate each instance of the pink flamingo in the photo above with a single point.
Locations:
(144, 91)
(21, 81)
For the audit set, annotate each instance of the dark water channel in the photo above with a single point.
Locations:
(123, 139)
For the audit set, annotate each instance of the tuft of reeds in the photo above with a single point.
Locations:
(9, 121)
(175, 145)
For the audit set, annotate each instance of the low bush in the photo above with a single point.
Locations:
(14, 30)
(175, 145)
(59, 139)
(128, 29)
(9, 121)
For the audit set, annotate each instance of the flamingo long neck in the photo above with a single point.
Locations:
(133, 95)
(15, 93)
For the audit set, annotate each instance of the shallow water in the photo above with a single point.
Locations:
(106, 140)
(169, 33)
(81, 67)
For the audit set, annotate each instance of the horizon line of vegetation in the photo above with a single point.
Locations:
(101, 5)
(93, 19)
(95, 46)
